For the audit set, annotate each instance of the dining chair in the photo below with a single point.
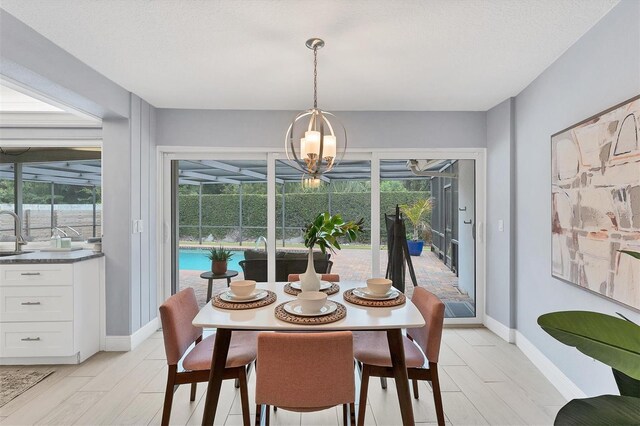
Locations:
(297, 372)
(176, 315)
(371, 352)
(333, 278)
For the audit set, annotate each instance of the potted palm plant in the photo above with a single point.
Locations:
(415, 212)
(324, 232)
(219, 259)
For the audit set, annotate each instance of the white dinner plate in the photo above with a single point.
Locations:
(365, 293)
(294, 308)
(227, 296)
(324, 285)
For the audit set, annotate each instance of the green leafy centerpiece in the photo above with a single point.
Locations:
(219, 259)
(324, 231)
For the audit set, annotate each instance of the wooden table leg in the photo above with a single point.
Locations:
(209, 289)
(218, 362)
(399, 366)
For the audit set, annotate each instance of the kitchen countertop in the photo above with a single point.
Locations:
(51, 257)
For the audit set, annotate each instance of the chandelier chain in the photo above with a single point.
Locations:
(315, 77)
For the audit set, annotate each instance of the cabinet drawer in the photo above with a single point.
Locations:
(36, 274)
(29, 339)
(36, 303)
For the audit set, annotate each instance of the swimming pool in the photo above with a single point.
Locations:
(197, 260)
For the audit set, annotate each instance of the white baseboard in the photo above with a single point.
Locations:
(129, 343)
(499, 329)
(565, 386)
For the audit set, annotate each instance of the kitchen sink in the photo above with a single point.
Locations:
(13, 253)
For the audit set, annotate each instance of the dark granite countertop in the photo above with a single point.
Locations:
(50, 257)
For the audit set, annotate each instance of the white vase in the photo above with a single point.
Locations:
(310, 281)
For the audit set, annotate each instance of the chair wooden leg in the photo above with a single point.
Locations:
(383, 382)
(194, 388)
(258, 414)
(352, 414)
(437, 396)
(416, 394)
(275, 408)
(237, 384)
(168, 394)
(345, 420)
(244, 396)
(364, 387)
(267, 411)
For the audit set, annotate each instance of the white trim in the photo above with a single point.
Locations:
(129, 343)
(505, 333)
(53, 143)
(565, 386)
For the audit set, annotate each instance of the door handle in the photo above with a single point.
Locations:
(467, 222)
(30, 273)
(31, 339)
(30, 303)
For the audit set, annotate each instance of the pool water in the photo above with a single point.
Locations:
(197, 260)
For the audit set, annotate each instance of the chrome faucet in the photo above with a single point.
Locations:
(18, 229)
(263, 239)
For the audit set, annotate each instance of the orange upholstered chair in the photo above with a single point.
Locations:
(332, 278)
(371, 351)
(177, 314)
(298, 372)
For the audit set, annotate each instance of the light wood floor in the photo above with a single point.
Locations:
(484, 381)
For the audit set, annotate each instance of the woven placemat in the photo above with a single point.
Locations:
(294, 291)
(349, 297)
(219, 303)
(337, 315)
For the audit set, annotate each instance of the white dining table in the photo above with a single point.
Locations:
(391, 319)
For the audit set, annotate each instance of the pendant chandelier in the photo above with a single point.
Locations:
(316, 140)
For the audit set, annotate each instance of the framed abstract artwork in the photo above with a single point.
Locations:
(595, 203)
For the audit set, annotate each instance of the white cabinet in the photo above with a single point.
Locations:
(50, 313)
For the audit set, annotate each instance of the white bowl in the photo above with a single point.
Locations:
(311, 302)
(379, 285)
(242, 288)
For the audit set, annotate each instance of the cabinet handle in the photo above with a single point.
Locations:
(30, 273)
(30, 303)
(31, 339)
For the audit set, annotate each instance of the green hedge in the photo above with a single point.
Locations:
(223, 210)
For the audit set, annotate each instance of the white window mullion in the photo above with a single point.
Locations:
(375, 215)
(271, 217)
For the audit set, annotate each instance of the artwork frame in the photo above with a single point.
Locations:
(595, 203)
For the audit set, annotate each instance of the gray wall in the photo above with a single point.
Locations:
(181, 127)
(500, 295)
(129, 194)
(31, 60)
(599, 71)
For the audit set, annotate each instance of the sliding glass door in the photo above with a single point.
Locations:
(256, 206)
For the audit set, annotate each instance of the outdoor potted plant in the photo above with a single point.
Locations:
(415, 212)
(219, 258)
(324, 232)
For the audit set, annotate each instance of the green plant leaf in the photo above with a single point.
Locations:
(631, 253)
(608, 339)
(600, 410)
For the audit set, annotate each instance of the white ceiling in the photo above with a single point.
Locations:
(379, 54)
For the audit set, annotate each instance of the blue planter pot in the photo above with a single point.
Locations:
(415, 247)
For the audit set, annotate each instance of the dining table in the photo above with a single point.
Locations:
(389, 319)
